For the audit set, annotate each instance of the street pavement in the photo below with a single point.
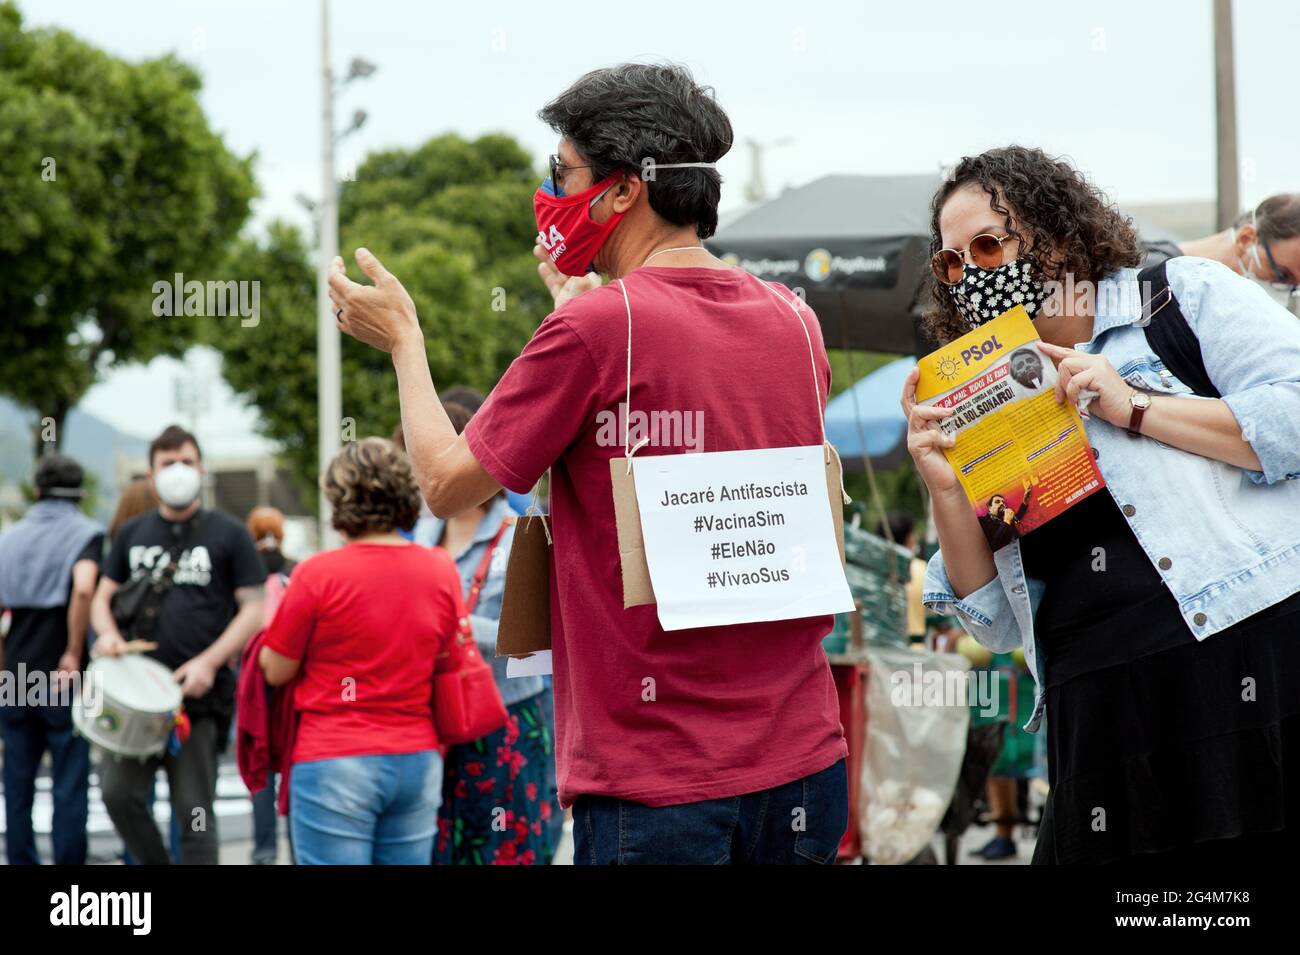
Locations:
(235, 825)
(233, 809)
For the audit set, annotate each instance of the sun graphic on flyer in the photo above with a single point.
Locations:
(946, 369)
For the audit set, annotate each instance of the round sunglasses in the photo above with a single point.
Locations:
(985, 251)
(558, 168)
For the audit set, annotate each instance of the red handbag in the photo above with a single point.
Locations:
(466, 702)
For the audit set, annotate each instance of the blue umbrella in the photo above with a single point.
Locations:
(869, 412)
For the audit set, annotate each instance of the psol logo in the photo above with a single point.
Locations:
(980, 351)
(817, 265)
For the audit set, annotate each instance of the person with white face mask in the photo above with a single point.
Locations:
(203, 619)
(1263, 245)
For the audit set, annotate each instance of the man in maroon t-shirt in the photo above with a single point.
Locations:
(719, 744)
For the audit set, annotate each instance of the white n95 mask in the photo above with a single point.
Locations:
(178, 484)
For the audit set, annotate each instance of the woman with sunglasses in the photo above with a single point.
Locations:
(1160, 616)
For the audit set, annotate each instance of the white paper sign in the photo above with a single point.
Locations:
(739, 536)
(537, 664)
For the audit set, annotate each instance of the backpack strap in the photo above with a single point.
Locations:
(1168, 333)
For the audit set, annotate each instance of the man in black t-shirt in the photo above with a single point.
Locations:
(48, 564)
(211, 610)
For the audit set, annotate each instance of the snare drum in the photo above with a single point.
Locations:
(127, 705)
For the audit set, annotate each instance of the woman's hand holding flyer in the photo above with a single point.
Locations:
(1081, 376)
(1015, 445)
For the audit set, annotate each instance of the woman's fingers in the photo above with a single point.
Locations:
(1067, 369)
(1055, 351)
(908, 397)
(922, 415)
(1079, 381)
(929, 439)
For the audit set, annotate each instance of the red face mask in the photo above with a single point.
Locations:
(566, 230)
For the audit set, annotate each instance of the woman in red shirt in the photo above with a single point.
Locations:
(364, 625)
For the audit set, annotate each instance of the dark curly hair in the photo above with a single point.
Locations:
(623, 115)
(371, 488)
(1065, 221)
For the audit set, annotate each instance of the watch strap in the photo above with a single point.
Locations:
(1135, 416)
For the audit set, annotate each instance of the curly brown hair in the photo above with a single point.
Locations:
(1061, 218)
(371, 488)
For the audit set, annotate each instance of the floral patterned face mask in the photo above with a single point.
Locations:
(984, 294)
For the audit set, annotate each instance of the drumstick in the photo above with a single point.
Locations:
(138, 646)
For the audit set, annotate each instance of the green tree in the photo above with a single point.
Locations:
(112, 181)
(452, 219)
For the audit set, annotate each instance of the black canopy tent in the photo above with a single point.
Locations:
(859, 248)
(857, 245)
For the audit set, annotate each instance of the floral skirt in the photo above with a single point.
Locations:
(498, 794)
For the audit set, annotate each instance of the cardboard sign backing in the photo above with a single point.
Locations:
(637, 589)
(525, 624)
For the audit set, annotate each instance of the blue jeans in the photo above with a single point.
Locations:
(365, 810)
(800, 822)
(27, 732)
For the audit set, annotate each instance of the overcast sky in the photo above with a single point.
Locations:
(1122, 87)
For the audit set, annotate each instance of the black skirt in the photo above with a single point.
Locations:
(1160, 748)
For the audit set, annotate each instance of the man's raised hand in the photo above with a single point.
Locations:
(382, 315)
(562, 287)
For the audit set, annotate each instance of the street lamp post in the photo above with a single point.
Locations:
(756, 188)
(329, 397)
(329, 384)
(1225, 118)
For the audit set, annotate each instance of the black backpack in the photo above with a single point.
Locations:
(1168, 333)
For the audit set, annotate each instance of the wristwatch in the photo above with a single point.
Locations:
(1140, 402)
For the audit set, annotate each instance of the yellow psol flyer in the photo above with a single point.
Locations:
(1021, 457)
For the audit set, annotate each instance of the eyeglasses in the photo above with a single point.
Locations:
(1282, 280)
(557, 167)
(985, 251)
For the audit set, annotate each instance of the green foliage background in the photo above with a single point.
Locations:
(112, 181)
(453, 219)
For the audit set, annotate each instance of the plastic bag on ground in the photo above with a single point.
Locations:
(917, 717)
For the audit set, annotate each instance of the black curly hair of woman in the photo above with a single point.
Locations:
(1057, 215)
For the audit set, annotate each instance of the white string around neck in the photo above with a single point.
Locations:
(812, 359)
(680, 248)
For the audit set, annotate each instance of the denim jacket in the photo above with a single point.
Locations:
(428, 531)
(1225, 540)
